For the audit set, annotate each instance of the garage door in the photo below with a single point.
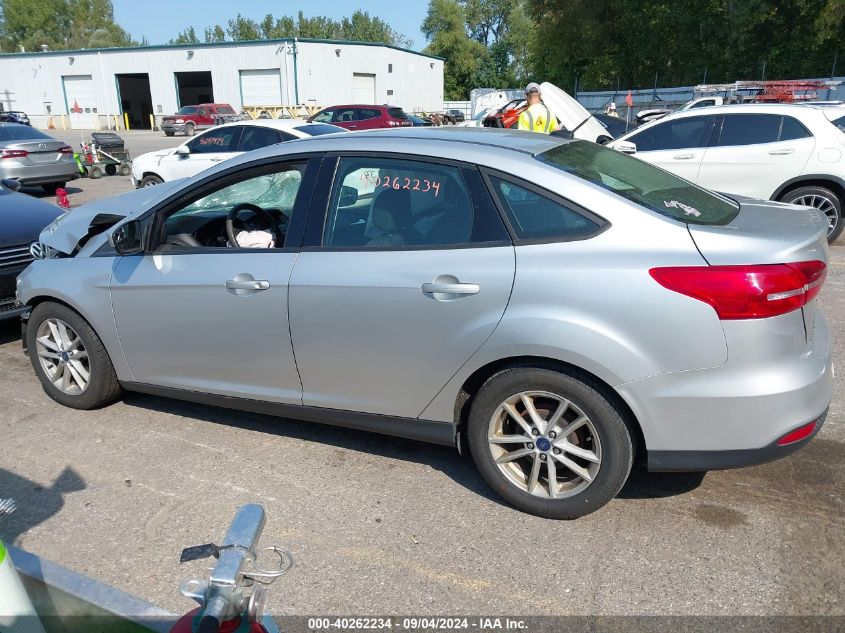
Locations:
(363, 88)
(81, 101)
(261, 87)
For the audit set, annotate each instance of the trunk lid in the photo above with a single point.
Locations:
(766, 232)
(39, 152)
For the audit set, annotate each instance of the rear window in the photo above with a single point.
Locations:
(316, 129)
(397, 113)
(225, 109)
(17, 132)
(187, 110)
(641, 182)
(840, 123)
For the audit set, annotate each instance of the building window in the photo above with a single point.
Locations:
(389, 93)
(390, 68)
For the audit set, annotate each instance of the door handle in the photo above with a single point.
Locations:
(782, 152)
(215, 160)
(683, 156)
(251, 284)
(450, 288)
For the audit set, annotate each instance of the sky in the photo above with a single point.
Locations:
(161, 20)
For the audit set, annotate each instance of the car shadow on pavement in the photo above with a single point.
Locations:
(33, 502)
(640, 485)
(38, 192)
(10, 331)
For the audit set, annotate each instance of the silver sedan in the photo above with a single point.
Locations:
(556, 308)
(33, 158)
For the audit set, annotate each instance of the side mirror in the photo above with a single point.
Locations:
(128, 238)
(625, 147)
(183, 150)
(348, 196)
(11, 184)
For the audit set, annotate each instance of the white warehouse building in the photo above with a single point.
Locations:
(94, 88)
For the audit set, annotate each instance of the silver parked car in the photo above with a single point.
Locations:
(33, 158)
(558, 308)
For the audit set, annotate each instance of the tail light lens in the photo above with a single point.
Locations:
(14, 153)
(67, 149)
(801, 433)
(747, 292)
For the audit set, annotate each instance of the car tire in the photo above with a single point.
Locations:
(95, 172)
(190, 130)
(124, 169)
(169, 133)
(62, 376)
(51, 187)
(150, 181)
(821, 198)
(111, 170)
(525, 481)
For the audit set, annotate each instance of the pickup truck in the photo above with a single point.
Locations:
(191, 118)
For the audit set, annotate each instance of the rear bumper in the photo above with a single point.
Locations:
(733, 415)
(41, 174)
(678, 461)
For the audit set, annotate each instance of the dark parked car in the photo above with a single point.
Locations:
(22, 218)
(614, 124)
(456, 116)
(14, 116)
(33, 158)
(418, 121)
(363, 117)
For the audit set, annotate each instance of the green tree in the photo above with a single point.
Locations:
(59, 24)
(242, 29)
(214, 34)
(445, 27)
(188, 36)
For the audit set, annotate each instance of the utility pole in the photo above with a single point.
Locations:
(763, 78)
(833, 68)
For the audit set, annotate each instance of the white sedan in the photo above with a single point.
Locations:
(218, 144)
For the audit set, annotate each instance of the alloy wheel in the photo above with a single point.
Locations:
(823, 204)
(63, 356)
(544, 444)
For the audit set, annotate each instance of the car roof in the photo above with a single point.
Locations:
(279, 124)
(457, 143)
(362, 105)
(745, 108)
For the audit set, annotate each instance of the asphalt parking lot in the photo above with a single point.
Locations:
(383, 526)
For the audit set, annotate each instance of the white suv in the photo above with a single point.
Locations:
(790, 153)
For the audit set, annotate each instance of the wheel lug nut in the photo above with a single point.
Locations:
(552, 434)
(556, 451)
(530, 446)
(535, 432)
(542, 457)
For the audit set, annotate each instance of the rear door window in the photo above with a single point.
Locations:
(536, 216)
(221, 139)
(397, 113)
(791, 129)
(344, 115)
(396, 203)
(367, 113)
(681, 133)
(256, 137)
(749, 129)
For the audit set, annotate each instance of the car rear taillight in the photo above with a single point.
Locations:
(67, 149)
(747, 292)
(14, 153)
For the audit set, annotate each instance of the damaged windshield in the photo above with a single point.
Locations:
(642, 183)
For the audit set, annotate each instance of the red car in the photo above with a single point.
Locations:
(363, 117)
(191, 118)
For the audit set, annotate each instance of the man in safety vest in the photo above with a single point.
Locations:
(536, 117)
